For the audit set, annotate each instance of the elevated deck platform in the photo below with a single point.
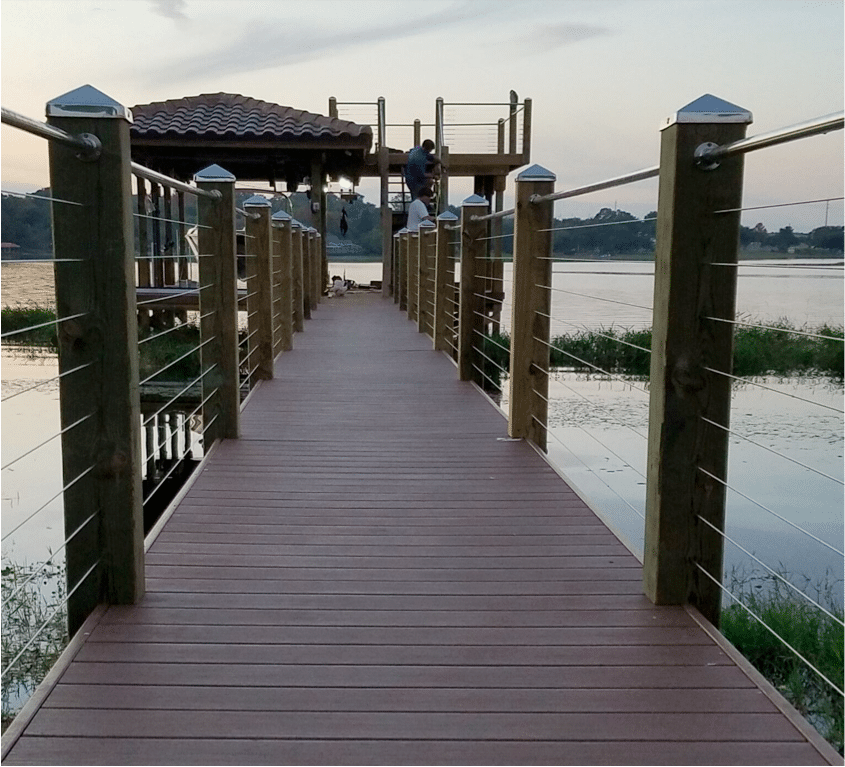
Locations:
(374, 574)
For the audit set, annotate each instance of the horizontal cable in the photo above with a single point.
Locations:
(10, 599)
(488, 298)
(49, 380)
(596, 298)
(593, 226)
(593, 403)
(754, 265)
(47, 441)
(779, 205)
(769, 629)
(248, 337)
(592, 436)
(171, 364)
(42, 197)
(179, 186)
(497, 237)
(247, 296)
(49, 618)
(492, 382)
(590, 364)
(44, 324)
(6, 261)
(490, 360)
(163, 333)
(769, 388)
(775, 329)
(44, 506)
(172, 221)
(176, 396)
(170, 257)
(550, 432)
(770, 570)
(775, 452)
(172, 296)
(490, 340)
(629, 178)
(773, 513)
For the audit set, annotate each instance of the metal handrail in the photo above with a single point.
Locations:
(628, 178)
(87, 144)
(180, 186)
(709, 153)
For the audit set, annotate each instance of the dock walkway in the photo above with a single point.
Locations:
(375, 574)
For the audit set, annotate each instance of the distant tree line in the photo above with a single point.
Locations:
(26, 222)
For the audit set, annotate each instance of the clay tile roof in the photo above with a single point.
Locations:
(231, 116)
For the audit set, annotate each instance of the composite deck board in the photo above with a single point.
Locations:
(375, 574)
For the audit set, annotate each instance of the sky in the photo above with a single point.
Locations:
(603, 76)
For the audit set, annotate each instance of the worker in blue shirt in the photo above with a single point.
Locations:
(422, 167)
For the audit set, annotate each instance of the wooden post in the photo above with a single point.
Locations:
(283, 288)
(386, 219)
(332, 107)
(95, 277)
(298, 272)
(532, 275)
(473, 251)
(307, 278)
(425, 242)
(512, 123)
(443, 185)
(261, 270)
(688, 288)
(402, 267)
(444, 284)
(169, 240)
(417, 133)
(395, 268)
(157, 262)
(319, 266)
(526, 131)
(218, 274)
(413, 275)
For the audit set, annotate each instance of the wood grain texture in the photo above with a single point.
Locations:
(372, 575)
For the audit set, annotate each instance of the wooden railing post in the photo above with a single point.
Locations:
(394, 268)
(530, 325)
(693, 238)
(259, 272)
(317, 273)
(444, 284)
(307, 268)
(95, 278)
(473, 253)
(218, 274)
(283, 284)
(298, 270)
(427, 240)
(413, 275)
(402, 269)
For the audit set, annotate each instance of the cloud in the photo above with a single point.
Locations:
(171, 9)
(548, 37)
(267, 44)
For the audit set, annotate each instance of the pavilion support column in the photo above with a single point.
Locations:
(318, 218)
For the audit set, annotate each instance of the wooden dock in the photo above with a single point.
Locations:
(375, 574)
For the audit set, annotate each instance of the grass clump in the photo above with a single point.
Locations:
(20, 317)
(814, 634)
(33, 596)
(768, 350)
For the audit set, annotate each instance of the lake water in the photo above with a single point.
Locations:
(598, 425)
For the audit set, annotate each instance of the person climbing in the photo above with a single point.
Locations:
(344, 224)
(422, 168)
